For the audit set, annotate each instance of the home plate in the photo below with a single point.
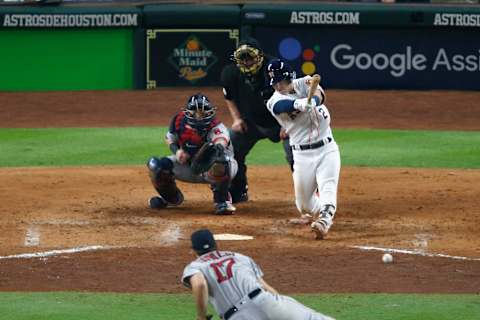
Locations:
(229, 236)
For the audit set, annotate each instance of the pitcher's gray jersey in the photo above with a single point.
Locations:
(230, 277)
(302, 127)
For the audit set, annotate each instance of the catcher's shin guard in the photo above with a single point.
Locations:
(163, 180)
(220, 192)
(221, 197)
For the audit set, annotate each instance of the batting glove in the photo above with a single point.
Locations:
(303, 105)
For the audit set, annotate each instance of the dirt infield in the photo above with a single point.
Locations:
(425, 211)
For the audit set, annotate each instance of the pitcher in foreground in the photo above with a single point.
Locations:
(233, 284)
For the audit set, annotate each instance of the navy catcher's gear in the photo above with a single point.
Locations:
(199, 112)
(279, 70)
(163, 180)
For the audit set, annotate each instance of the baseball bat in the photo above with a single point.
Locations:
(313, 86)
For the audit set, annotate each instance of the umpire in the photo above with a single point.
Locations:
(246, 90)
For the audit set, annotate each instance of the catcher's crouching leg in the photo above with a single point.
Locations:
(163, 180)
(219, 175)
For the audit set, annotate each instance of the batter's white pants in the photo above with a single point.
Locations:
(316, 168)
(267, 306)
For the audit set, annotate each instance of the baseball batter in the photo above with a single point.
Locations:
(315, 152)
(190, 129)
(234, 285)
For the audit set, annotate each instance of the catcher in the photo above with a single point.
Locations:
(202, 153)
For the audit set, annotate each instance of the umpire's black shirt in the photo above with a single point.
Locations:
(250, 94)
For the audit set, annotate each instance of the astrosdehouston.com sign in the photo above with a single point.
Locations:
(86, 20)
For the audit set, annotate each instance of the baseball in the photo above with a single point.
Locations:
(387, 258)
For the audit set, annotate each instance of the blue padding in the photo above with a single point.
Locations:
(283, 106)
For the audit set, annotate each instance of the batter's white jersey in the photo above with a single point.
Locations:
(315, 152)
(302, 127)
(231, 277)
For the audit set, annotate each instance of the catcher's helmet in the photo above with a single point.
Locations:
(199, 112)
(248, 57)
(279, 70)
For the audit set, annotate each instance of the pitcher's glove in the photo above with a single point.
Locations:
(204, 159)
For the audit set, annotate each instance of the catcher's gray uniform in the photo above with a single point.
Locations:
(236, 292)
(183, 172)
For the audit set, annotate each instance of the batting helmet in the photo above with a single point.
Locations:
(279, 70)
(199, 112)
(248, 57)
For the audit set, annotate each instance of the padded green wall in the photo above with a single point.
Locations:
(68, 59)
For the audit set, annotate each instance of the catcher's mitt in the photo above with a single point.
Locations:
(204, 159)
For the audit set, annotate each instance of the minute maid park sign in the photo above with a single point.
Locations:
(192, 59)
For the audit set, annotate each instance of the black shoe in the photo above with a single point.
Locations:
(243, 197)
(157, 203)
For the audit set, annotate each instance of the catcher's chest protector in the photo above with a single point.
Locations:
(188, 138)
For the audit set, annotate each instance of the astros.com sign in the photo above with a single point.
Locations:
(344, 57)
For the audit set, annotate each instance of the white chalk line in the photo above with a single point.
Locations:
(171, 235)
(56, 252)
(414, 252)
(32, 237)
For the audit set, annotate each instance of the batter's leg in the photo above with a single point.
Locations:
(304, 182)
(288, 152)
(327, 176)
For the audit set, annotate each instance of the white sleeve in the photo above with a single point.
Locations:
(300, 86)
(170, 137)
(270, 104)
(189, 271)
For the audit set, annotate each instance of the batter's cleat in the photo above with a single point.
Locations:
(157, 203)
(224, 208)
(321, 226)
(305, 219)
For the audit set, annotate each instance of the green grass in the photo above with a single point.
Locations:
(82, 306)
(126, 146)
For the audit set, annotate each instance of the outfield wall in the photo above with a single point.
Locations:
(367, 46)
(67, 49)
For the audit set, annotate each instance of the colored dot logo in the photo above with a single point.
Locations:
(291, 49)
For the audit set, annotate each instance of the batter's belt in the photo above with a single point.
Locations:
(315, 145)
(230, 312)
